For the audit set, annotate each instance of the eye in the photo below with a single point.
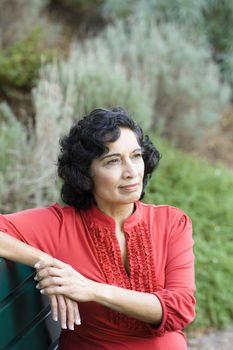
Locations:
(137, 155)
(113, 161)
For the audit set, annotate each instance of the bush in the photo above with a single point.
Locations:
(20, 63)
(65, 91)
(218, 23)
(13, 146)
(130, 65)
(11, 136)
(202, 191)
(185, 86)
(210, 19)
(27, 164)
(89, 79)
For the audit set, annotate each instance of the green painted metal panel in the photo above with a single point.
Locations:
(11, 275)
(24, 315)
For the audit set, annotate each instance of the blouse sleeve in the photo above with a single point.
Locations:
(177, 299)
(39, 227)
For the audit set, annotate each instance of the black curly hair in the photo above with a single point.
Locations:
(86, 141)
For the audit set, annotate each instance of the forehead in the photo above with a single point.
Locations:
(126, 141)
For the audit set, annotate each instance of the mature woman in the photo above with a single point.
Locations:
(128, 265)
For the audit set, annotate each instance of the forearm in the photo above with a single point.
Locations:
(15, 250)
(142, 306)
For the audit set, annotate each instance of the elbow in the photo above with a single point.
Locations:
(182, 316)
(178, 312)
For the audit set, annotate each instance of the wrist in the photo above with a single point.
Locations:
(45, 258)
(102, 293)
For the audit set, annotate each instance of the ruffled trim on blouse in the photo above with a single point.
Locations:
(140, 258)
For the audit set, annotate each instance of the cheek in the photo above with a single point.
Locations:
(105, 180)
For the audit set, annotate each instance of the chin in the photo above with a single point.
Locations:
(133, 197)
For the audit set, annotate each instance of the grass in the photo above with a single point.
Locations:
(204, 192)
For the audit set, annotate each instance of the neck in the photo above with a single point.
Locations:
(118, 212)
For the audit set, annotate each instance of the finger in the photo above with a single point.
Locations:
(62, 311)
(54, 307)
(70, 313)
(54, 290)
(51, 262)
(43, 263)
(76, 314)
(48, 271)
(49, 282)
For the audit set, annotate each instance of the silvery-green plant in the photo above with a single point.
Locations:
(184, 84)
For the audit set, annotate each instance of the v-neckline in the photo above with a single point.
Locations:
(141, 258)
(120, 257)
(102, 230)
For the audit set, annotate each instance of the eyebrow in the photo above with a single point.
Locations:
(118, 154)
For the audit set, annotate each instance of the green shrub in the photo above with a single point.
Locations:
(11, 136)
(27, 163)
(113, 10)
(19, 64)
(203, 192)
(167, 81)
(210, 19)
(185, 86)
(13, 145)
(89, 79)
(218, 22)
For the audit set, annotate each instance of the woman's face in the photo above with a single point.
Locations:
(118, 174)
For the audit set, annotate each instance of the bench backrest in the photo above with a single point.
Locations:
(25, 320)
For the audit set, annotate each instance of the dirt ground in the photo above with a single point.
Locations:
(215, 340)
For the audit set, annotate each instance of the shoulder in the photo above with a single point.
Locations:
(64, 212)
(52, 213)
(165, 217)
(162, 211)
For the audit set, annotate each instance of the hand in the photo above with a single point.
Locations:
(62, 306)
(56, 277)
(67, 309)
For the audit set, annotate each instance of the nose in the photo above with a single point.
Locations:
(129, 170)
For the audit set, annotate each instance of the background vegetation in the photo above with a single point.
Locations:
(170, 64)
(203, 191)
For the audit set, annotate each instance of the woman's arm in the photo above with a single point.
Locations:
(145, 307)
(15, 250)
(61, 278)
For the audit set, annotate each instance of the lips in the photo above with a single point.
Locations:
(132, 186)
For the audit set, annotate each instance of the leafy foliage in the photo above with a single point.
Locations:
(202, 191)
(210, 19)
(27, 163)
(89, 79)
(184, 83)
(20, 63)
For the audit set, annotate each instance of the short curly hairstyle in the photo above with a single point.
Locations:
(86, 141)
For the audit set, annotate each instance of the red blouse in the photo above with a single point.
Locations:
(161, 261)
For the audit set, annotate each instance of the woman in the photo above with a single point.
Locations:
(128, 265)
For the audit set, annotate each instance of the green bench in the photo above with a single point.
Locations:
(25, 320)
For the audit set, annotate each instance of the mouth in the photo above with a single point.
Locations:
(131, 187)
